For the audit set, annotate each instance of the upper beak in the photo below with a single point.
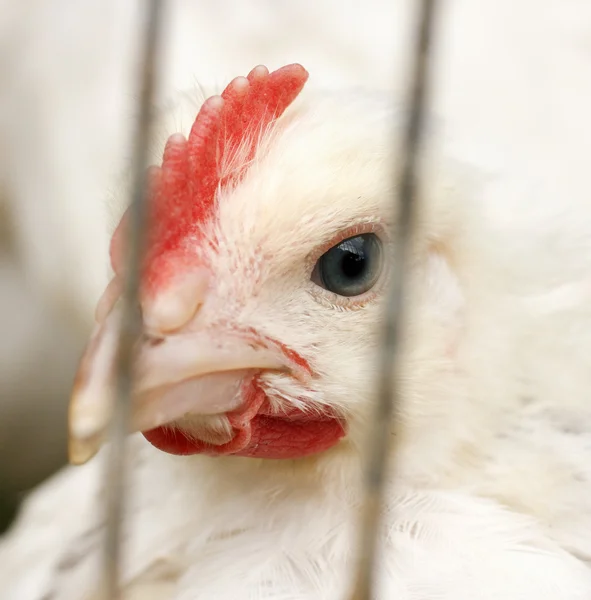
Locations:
(194, 372)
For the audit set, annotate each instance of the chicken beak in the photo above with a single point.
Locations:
(197, 372)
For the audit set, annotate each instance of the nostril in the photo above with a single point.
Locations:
(175, 306)
(152, 341)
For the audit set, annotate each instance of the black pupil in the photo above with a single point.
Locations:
(353, 260)
(352, 267)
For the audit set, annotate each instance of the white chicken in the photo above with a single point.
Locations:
(262, 303)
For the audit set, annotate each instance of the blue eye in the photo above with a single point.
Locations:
(352, 267)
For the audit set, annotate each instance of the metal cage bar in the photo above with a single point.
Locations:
(379, 440)
(131, 323)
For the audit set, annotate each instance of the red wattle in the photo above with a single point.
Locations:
(271, 437)
(258, 433)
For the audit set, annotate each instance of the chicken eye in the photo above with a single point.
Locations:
(352, 267)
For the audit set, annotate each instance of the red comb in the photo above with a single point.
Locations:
(183, 190)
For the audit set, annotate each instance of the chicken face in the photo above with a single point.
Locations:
(262, 286)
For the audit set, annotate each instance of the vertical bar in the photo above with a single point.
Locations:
(131, 323)
(379, 440)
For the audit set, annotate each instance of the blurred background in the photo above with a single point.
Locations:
(513, 88)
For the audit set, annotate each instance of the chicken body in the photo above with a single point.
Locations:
(488, 494)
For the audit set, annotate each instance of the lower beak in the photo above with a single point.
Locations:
(186, 373)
